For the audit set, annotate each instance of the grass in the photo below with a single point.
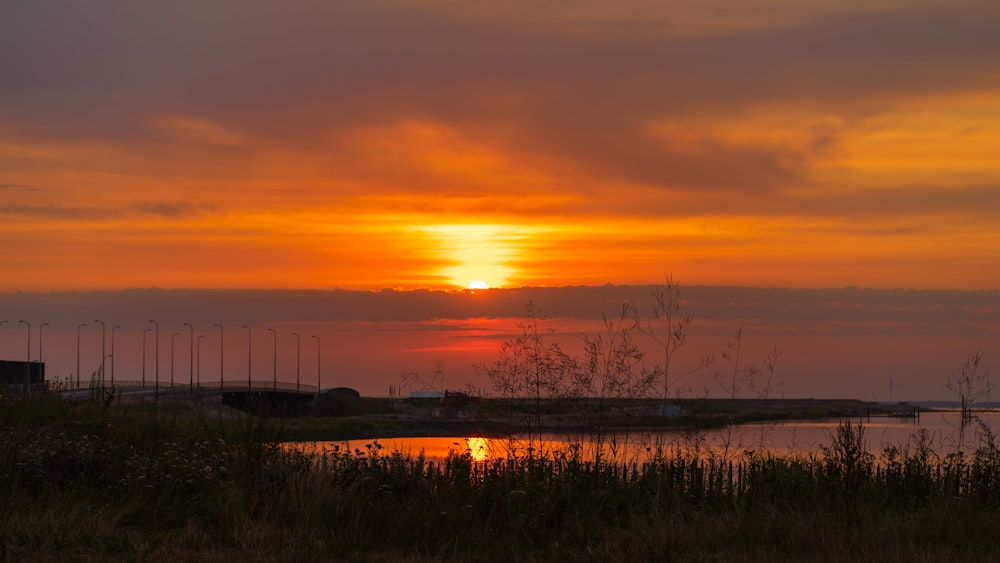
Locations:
(97, 480)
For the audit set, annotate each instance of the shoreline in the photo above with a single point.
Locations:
(498, 418)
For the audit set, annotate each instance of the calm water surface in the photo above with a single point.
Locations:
(785, 438)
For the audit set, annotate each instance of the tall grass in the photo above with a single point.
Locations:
(98, 480)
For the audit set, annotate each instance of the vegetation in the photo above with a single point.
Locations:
(971, 385)
(614, 373)
(99, 480)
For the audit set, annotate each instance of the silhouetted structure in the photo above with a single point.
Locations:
(14, 375)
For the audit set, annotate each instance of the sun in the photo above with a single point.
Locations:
(476, 252)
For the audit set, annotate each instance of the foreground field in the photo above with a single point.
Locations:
(98, 481)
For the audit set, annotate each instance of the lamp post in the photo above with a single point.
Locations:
(27, 369)
(191, 358)
(275, 333)
(28, 325)
(298, 361)
(144, 356)
(249, 356)
(78, 353)
(102, 352)
(40, 327)
(222, 356)
(113, 329)
(172, 358)
(156, 368)
(318, 372)
(198, 348)
(2, 322)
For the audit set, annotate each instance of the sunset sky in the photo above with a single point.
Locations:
(430, 144)
(362, 145)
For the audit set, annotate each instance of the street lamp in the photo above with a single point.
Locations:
(318, 372)
(156, 369)
(275, 333)
(249, 356)
(27, 372)
(102, 352)
(221, 355)
(144, 356)
(298, 360)
(27, 324)
(198, 348)
(113, 329)
(172, 358)
(78, 353)
(2, 323)
(40, 327)
(191, 358)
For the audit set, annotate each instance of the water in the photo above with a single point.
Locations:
(780, 439)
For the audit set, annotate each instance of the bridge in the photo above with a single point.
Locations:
(267, 396)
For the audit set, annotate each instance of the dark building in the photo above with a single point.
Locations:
(14, 374)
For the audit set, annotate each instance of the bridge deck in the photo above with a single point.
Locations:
(132, 386)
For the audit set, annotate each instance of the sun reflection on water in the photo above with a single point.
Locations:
(478, 448)
(779, 439)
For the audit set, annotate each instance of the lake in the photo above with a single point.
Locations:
(943, 428)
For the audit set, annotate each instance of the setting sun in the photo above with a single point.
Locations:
(478, 252)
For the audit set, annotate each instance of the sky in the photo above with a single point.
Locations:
(362, 145)
(427, 144)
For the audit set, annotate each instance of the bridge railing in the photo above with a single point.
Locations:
(138, 385)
